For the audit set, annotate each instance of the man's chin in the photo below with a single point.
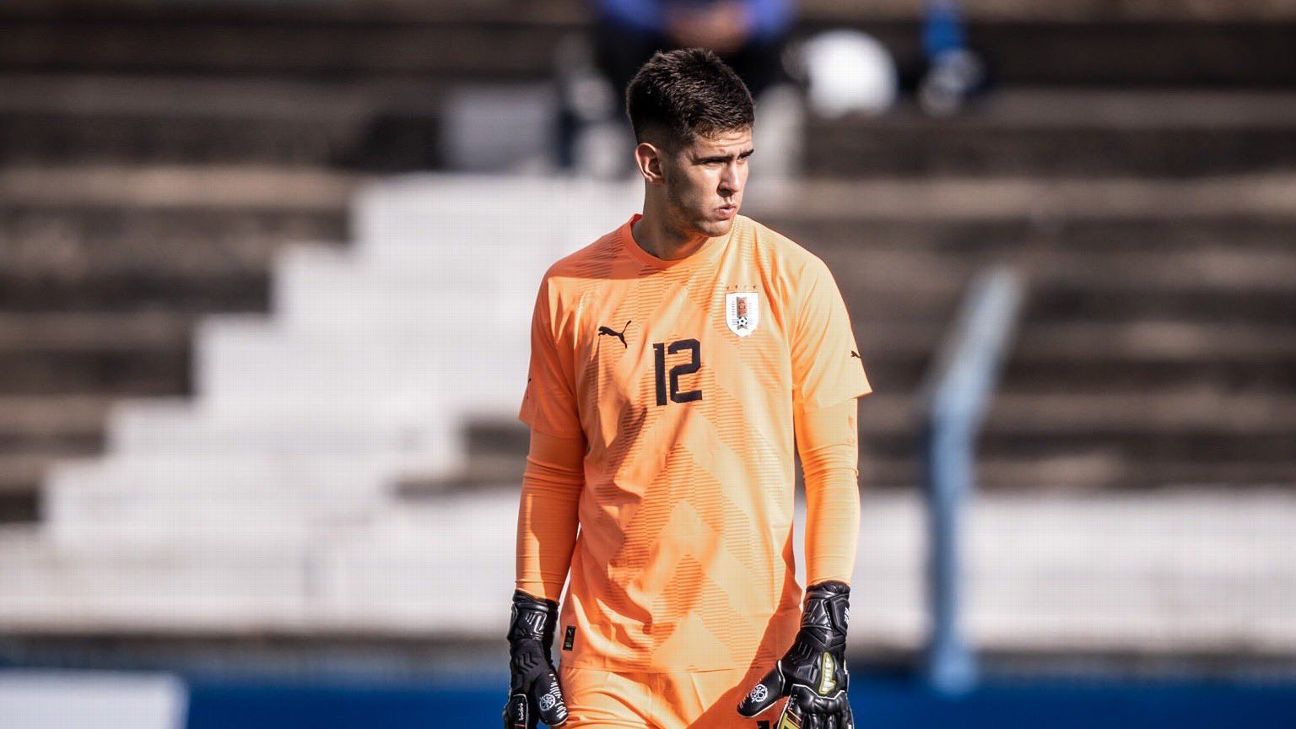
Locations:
(716, 228)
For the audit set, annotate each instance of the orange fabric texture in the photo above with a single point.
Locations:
(551, 486)
(828, 443)
(599, 699)
(682, 379)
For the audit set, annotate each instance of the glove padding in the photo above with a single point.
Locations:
(534, 692)
(812, 674)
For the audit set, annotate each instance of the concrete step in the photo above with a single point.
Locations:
(1147, 574)
(1108, 250)
(132, 590)
(380, 580)
(251, 188)
(139, 353)
(938, 234)
(1048, 206)
(1067, 471)
(1203, 284)
(1136, 51)
(1075, 471)
(1123, 356)
(1139, 567)
(35, 433)
(1214, 269)
(214, 499)
(1066, 133)
(176, 428)
(1152, 356)
(247, 367)
(1060, 302)
(21, 476)
(1129, 44)
(1207, 268)
(1071, 11)
(73, 422)
(317, 44)
(54, 118)
(1080, 440)
(465, 290)
(120, 238)
(1228, 307)
(1160, 413)
(409, 219)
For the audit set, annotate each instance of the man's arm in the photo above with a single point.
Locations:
(828, 442)
(828, 378)
(547, 514)
(812, 674)
(546, 532)
(547, 518)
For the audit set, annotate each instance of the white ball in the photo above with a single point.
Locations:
(849, 71)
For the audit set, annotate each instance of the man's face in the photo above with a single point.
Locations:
(705, 181)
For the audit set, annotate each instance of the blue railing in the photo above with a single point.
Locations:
(952, 404)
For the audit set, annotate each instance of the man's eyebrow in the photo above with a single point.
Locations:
(723, 157)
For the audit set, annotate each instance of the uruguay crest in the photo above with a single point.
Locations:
(742, 312)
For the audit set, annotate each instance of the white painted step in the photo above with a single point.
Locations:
(129, 589)
(212, 499)
(1184, 570)
(247, 366)
(443, 568)
(69, 699)
(395, 216)
(177, 427)
(451, 269)
(322, 293)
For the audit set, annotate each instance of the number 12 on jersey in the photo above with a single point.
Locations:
(660, 350)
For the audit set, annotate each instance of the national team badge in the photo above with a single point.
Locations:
(742, 312)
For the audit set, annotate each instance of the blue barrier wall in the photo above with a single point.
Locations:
(880, 703)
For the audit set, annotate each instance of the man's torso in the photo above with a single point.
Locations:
(683, 381)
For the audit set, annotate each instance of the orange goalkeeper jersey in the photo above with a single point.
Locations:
(683, 377)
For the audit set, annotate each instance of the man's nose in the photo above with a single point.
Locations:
(730, 181)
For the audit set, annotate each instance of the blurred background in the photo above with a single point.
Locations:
(266, 276)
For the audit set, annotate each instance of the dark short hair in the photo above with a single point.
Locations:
(686, 93)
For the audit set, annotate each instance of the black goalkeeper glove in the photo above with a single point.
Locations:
(533, 686)
(812, 674)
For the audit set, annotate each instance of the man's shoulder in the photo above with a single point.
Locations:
(588, 261)
(779, 249)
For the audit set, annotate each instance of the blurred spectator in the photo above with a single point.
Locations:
(748, 34)
(953, 73)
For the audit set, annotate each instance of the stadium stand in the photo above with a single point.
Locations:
(311, 473)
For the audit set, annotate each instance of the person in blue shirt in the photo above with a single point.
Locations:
(747, 34)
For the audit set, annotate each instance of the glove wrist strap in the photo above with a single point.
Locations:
(826, 615)
(532, 619)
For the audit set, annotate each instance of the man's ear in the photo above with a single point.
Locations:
(648, 158)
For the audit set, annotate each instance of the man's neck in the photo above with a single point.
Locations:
(658, 239)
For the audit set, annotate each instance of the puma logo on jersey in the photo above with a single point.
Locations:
(856, 355)
(619, 335)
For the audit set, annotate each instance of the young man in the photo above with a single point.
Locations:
(675, 364)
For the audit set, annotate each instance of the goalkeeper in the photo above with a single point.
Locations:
(678, 364)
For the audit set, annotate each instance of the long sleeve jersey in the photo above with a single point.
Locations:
(683, 388)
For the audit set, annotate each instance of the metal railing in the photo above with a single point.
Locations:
(952, 404)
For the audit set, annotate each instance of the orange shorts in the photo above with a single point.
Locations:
(678, 700)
